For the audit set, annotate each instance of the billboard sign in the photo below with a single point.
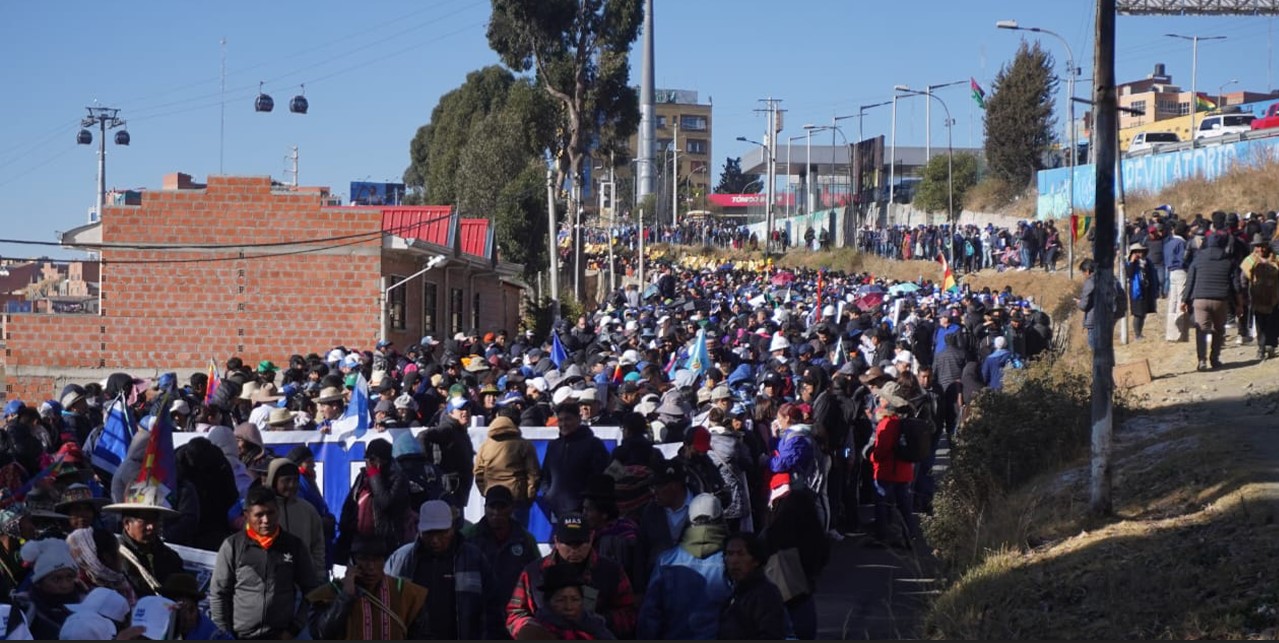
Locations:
(369, 193)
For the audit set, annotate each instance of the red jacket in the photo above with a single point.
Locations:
(884, 459)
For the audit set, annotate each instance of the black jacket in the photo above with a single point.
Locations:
(754, 612)
(254, 590)
(569, 462)
(457, 456)
(1209, 276)
(158, 559)
(390, 491)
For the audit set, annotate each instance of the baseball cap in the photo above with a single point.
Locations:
(499, 496)
(104, 602)
(670, 471)
(572, 530)
(434, 516)
(456, 403)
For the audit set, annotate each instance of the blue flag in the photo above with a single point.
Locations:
(699, 360)
(559, 356)
(355, 421)
(113, 443)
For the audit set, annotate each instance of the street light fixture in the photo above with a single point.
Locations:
(928, 117)
(1194, 76)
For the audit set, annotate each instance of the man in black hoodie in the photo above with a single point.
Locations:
(1209, 291)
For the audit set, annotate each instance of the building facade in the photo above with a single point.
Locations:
(245, 267)
(684, 124)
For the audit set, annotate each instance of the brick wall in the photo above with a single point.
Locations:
(172, 309)
(164, 311)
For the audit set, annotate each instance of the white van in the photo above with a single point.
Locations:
(1223, 124)
(1143, 141)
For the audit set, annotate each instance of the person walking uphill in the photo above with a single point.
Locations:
(1260, 275)
(689, 587)
(1209, 290)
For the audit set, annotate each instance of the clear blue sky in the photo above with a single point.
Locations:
(374, 70)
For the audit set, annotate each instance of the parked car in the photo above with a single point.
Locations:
(1143, 141)
(1271, 119)
(1223, 124)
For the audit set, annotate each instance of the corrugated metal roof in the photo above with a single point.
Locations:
(429, 223)
(475, 237)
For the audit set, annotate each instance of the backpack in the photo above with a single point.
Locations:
(914, 440)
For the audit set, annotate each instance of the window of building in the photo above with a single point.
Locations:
(455, 311)
(661, 121)
(692, 123)
(1139, 105)
(695, 146)
(430, 300)
(395, 303)
(663, 144)
(475, 311)
(1183, 108)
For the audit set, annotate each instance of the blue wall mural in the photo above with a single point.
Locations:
(1148, 173)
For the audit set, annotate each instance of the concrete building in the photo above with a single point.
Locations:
(244, 267)
(1161, 100)
(685, 124)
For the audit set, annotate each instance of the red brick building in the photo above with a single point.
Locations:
(241, 266)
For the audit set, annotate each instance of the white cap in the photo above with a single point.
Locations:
(779, 343)
(629, 357)
(705, 508)
(539, 383)
(561, 395)
(334, 356)
(434, 515)
(87, 626)
(904, 357)
(104, 602)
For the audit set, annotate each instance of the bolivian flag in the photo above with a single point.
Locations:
(948, 283)
(1079, 226)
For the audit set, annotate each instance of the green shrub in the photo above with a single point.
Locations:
(1038, 423)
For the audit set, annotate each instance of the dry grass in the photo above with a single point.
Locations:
(1189, 556)
(1250, 186)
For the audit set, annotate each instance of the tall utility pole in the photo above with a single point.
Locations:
(648, 107)
(770, 150)
(222, 111)
(1106, 137)
(1194, 77)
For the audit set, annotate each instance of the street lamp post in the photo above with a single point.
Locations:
(950, 154)
(1070, 118)
(809, 202)
(892, 155)
(1221, 92)
(768, 207)
(1194, 77)
(789, 172)
(928, 118)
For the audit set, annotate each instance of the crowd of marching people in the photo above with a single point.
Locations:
(757, 410)
(970, 248)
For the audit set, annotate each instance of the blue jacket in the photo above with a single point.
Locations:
(939, 339)
(795, 455)
(473, 585)
(992, 370)
(688, 588)
(205, 630)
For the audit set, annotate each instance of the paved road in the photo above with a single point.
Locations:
(867, 592)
